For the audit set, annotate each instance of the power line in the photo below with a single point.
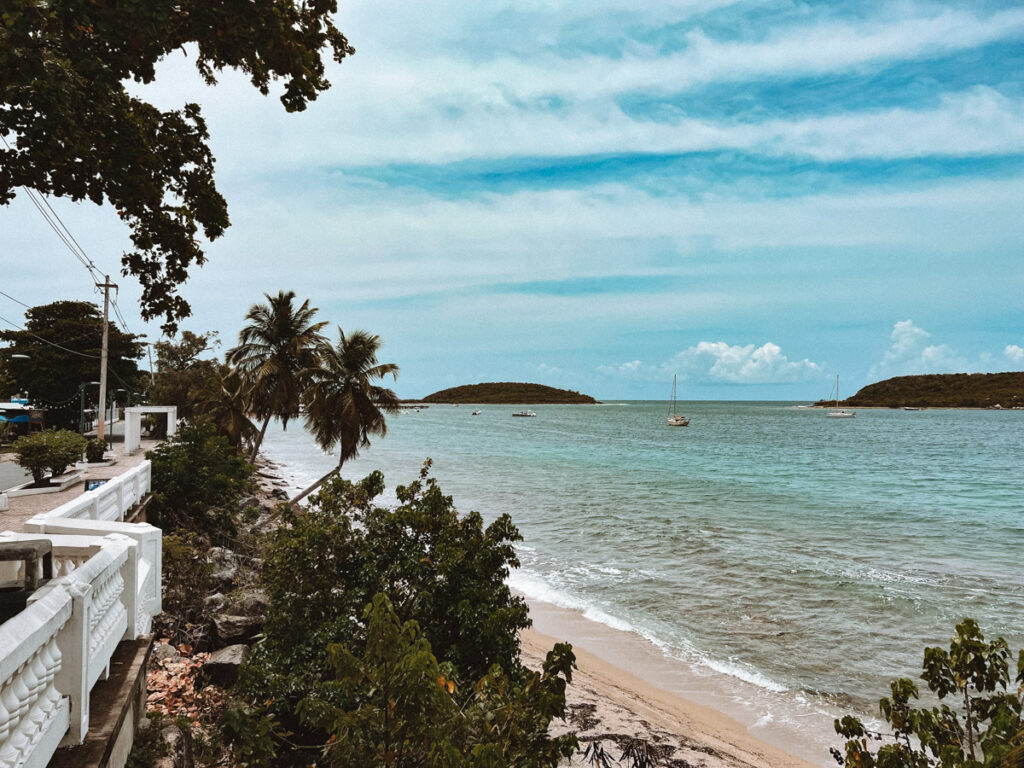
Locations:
(47, 341)
(16, 301)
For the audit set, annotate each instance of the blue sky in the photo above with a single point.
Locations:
(598, 195)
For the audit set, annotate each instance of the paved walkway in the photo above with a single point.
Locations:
(21, 508)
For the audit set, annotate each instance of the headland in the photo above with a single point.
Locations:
(509, 393)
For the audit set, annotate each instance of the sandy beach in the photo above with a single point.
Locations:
(610, 705)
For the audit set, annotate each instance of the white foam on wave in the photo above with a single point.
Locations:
(535, 587)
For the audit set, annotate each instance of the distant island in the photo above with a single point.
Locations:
(942, 390)
(509, 393)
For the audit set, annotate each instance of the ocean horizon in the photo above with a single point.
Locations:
(787, 564)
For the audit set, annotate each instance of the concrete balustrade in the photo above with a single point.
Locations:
(106, 588)
(109, 501)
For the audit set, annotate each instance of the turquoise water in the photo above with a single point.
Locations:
(812, 558)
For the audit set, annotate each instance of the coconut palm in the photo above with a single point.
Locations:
(276, 351)
(342, 405)
(222, 399)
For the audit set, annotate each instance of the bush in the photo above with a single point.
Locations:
(197, 481)
(419, 572)
(53, 450)
(186, 584)
(979, 730)
(94, 450)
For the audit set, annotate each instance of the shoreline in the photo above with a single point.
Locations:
(611, 706)
(636, 686)
(626, 688)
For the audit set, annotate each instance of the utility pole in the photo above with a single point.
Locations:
(106, 286)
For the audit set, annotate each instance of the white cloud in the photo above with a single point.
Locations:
(910, 354)
(717, 361)
(1014, 353)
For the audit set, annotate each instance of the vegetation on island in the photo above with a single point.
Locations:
(508, 393)
(76, 127)
(941, 390)
(977, 724)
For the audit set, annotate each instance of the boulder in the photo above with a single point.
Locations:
(241, 617)
(223, 665)
(163, 651)
(179, 748)
(224, 566)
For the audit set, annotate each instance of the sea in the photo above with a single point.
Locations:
(766, 560)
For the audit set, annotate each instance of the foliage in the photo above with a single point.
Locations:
(148, 746)
(343, 405)
(180, 369)
(197, 479)
(33, 454)
(276, 351)
(186, 584)
(221, 397)
(52, 374)
(444, 571)
(508, 392)
(408, 710)
(94, 450)
(946, 390)
(64, 449)
(975, 732)
(53, 449)
(77, 132)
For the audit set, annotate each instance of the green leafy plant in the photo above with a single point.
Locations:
(198, 478)
(54, 450)
(443, 571)
(186, 584)
(94, 450)
(976, 729)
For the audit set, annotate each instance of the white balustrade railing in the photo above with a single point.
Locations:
(106, 588)
(109, 501)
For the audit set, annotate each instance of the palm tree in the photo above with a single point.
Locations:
(275, 353)
(222, 399)
(343, 406)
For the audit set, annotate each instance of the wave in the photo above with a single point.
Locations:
(535, 587)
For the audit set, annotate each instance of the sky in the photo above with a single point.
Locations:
(600, 194)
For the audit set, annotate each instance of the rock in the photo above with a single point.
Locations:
(241, 617)
(179, 753)
(224, 564)
(223, 665)
(231, 628)
(279, 493)
(214, 602)
(163, 651)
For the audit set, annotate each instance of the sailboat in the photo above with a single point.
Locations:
(840, 413)
(674, 419)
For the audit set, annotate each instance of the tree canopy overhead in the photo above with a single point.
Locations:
(73, 130)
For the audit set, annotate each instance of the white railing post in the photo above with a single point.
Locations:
(33, 714)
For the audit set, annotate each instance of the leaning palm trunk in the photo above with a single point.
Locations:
(295, 501)
(259, 440)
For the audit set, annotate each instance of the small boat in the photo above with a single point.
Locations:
(840, 413)
(476, 413)
(675, 419)
(910, 408)
(527, 414)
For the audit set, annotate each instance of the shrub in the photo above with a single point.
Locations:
(65, 448)
(186, 584)
(433, 577)
(94, 450)
(197, 481)
(53, 450)
(979, 730)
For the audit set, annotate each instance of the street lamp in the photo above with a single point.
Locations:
(81, 396)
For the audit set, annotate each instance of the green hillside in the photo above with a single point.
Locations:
(943, 390)
(507, 392)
